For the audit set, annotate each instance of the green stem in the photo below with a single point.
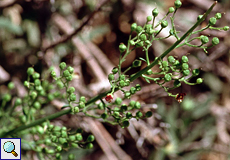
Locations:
(132, 78)
(138, 74)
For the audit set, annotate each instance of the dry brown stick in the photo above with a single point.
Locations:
(100, 138)
(116, 149)
(85, 53)
(69, 36)
(101, 57)
(7, 3)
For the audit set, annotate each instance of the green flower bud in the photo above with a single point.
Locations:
(72, 97)
(7, 97)
(164, 24)
(62, 140)
(124, 107)
(148, 114)
(149, 72)
(177, 3)
(69, 78)
(37, 105)
(115, 70)
(118, 101)
(75, 110)
(171, 9)
(89, 146)
(139, 29)
(18, 102)
(11, 85)
(143, 37)
(57, 129)
(100, 106)
(226, 28)
(138, 87)
(132, 43)
(33, 94)
(70, 69)
(149, 18)
(62, 65)
(90, 138)
(60, 84)
(155, 12)
(137, 105)
(39, 88)
(40, 130)
(64, 134)
(71, 90)
(59, 148)
(82, 99)
(185, 66)
(36, 75)
(72, 138)
(30, 71)
(184, 59)
(27, 84)
(122, 77)
(132, 103)
(133, 90)
(81, 105)
(177, 83)
(140, 44)
(116, 114)
(53, 74)
(23, 119)
(79, 137)
(139, 114)
(186, 72)
(122, 47)
(128, 115)
(104, 116)
(71, 156)
(204, 39)
(167, 77)
(171, 59)
(218, 15)
(133, 27)
(122, 83)
(58, 156)
(66, 73)
(136, 63)
(125, 123)
(199, 17)
(195, 72)
(199, 80)
(215, 41)
(212, 21)
(127, 94)
(165, 64)
(54, 138)
(37, 82)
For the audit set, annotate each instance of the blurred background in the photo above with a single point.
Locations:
(35, 33)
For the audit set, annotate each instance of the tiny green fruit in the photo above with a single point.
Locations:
(122, 47)
(215, 41)
(155, 12)
(164, 24)
(199, 80)
(177, 3)
(171, 9)
(212, 21)
(167, 78)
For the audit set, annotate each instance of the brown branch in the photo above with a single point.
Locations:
(67, 37)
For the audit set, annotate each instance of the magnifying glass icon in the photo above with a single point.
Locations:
(9, 147)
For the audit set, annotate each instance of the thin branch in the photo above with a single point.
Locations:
(66, 38)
